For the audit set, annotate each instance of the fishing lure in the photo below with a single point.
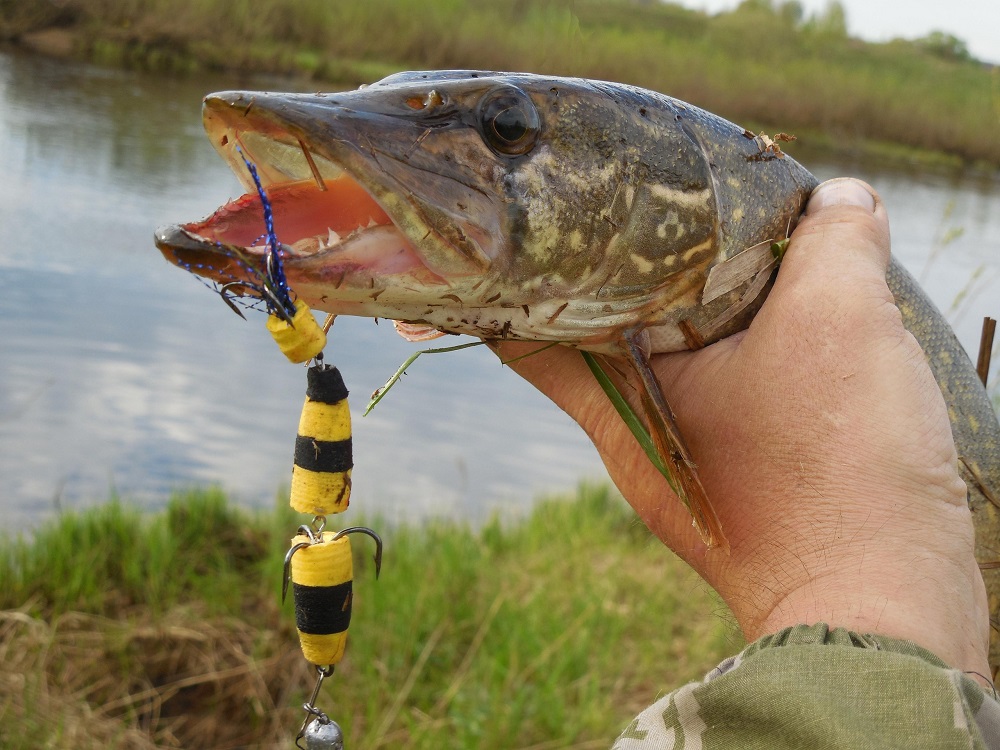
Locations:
(319, 563)
(319, 566)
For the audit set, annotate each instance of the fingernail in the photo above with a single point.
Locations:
(841, 192)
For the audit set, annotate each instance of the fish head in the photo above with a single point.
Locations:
(501, 205)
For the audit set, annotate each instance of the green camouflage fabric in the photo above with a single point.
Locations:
(812, 687)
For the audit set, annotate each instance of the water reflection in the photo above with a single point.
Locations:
(121, 373)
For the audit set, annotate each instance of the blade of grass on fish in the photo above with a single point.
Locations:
(539, 350)
(670, 444)
(628, 415)
(380, 393)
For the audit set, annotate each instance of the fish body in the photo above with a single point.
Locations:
(610, 220)
(516, 206)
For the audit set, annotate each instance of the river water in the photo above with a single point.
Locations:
(120, 374)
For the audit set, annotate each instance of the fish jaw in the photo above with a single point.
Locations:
(337, 237)
(389, 204)
(356, 237)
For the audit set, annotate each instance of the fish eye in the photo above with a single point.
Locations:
(508, 121)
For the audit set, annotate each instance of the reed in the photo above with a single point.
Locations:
(764, 63)
(119, 629)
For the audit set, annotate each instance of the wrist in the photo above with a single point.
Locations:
(927, 591)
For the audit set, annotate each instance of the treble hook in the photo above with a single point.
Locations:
(314, 539)
(224, 293)
(274, 303)
(286, 575)
(373, 535)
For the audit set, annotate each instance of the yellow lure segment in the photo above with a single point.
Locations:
(326, 421)
(302, 339)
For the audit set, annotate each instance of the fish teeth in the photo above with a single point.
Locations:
(332, 238)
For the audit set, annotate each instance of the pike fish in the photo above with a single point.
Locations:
(513, 206)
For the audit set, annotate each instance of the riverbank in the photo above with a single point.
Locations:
(124, 630)
(765, 65)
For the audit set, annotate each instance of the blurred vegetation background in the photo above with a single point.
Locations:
(765, 64)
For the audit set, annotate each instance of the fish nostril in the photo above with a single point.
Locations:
(432, 99)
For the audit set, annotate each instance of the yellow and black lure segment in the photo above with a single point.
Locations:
(322, 587)
(322, 574)
(321, 475)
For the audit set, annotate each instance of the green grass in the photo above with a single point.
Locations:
(763, 63)
(112, 558)
(119, 629)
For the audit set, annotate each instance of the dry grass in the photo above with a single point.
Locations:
(183, 681)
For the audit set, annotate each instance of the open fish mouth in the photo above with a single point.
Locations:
(333, 220)
(332, 230)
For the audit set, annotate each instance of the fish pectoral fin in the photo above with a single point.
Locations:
(680, 469)
(739, 270)
(414, 332)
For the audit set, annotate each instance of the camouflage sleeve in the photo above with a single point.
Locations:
(812, 687)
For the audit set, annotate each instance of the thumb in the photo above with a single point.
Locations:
(842, 238)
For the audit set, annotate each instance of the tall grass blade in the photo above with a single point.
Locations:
(628, 415)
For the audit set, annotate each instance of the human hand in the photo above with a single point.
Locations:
(823, 443)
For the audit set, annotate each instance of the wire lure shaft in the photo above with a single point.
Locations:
(319, 731)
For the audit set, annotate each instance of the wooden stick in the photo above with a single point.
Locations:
(986, 348)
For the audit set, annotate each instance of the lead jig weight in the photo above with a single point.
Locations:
(319, 731)
(323, 735)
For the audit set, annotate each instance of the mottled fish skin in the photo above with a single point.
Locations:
(613, 222)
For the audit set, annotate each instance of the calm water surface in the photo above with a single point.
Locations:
(120, 373)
